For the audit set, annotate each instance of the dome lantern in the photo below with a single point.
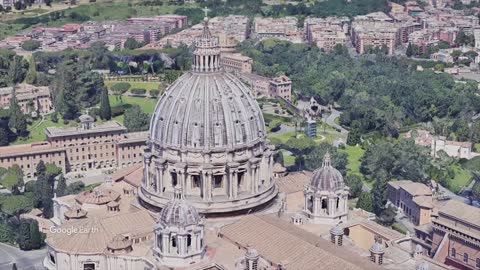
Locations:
(207, 50)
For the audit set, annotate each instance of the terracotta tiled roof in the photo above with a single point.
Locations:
(279, 241)
(461, 211)
(294, 182)
(423, 201)
(120, 174)
(135, 178)
(97, 196)
(413, 188)
(417, 189)
(94, 234)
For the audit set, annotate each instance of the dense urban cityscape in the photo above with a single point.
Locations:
(239, 134)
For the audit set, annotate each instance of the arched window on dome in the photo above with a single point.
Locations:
(324, 204)
(310, 204)
(338, 202)
(174, 179)
(174, 243)
(160, 242)
(240, 179)
(189, 241)
(217, 181)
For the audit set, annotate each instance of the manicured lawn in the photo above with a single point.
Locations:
(145, 85)
(284, 137)
(38, 134)
(476, 147)
(323, 127)
(462, 179)
(354, 154)
(147, 104)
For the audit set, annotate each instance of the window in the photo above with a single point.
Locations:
(52, 258)
(477, 263)
(89, 266)
(465, 257)
(453, 253)
(217, 181)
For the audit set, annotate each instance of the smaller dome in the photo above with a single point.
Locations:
(75, 213)
(377, 248)
(278, 168)
(178, 212)
(422, 266)
(120, 242)
(251, 253)
(85, 118)
(113, 204)
(327, 178)
(337, 230)
(418, 248)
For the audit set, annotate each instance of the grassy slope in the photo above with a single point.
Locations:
(146, 85)
(147, 104)
(462, 179)
(38, 134)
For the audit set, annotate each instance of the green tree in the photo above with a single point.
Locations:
(121, 88)
(132, 44)
(278, 158)
(17, 70)
(353, 137)
(410, 51)
(35, 235)
(61, 186)
(136, 119)
(105, 110)
(314, 159)
(354, 182)
(17, 120)
(24, 236)
(387, 217)
(380, 194)
(75, 88)
(3, 137)
(365, 202)
(31, 45)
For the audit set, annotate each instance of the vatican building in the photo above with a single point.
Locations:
(208, 196)
(207, 135)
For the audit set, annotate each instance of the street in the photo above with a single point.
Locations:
(25, 260)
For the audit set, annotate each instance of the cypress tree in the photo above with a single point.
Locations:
(380, 194)
(17, 120)
(24, 236)
(409, 50)
(353, 137)
(365, 202)
(105, 110)
(61, 186)
(35, 235)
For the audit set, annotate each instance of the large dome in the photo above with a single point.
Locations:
(327, 178)
(208, 136)
(213, 111)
